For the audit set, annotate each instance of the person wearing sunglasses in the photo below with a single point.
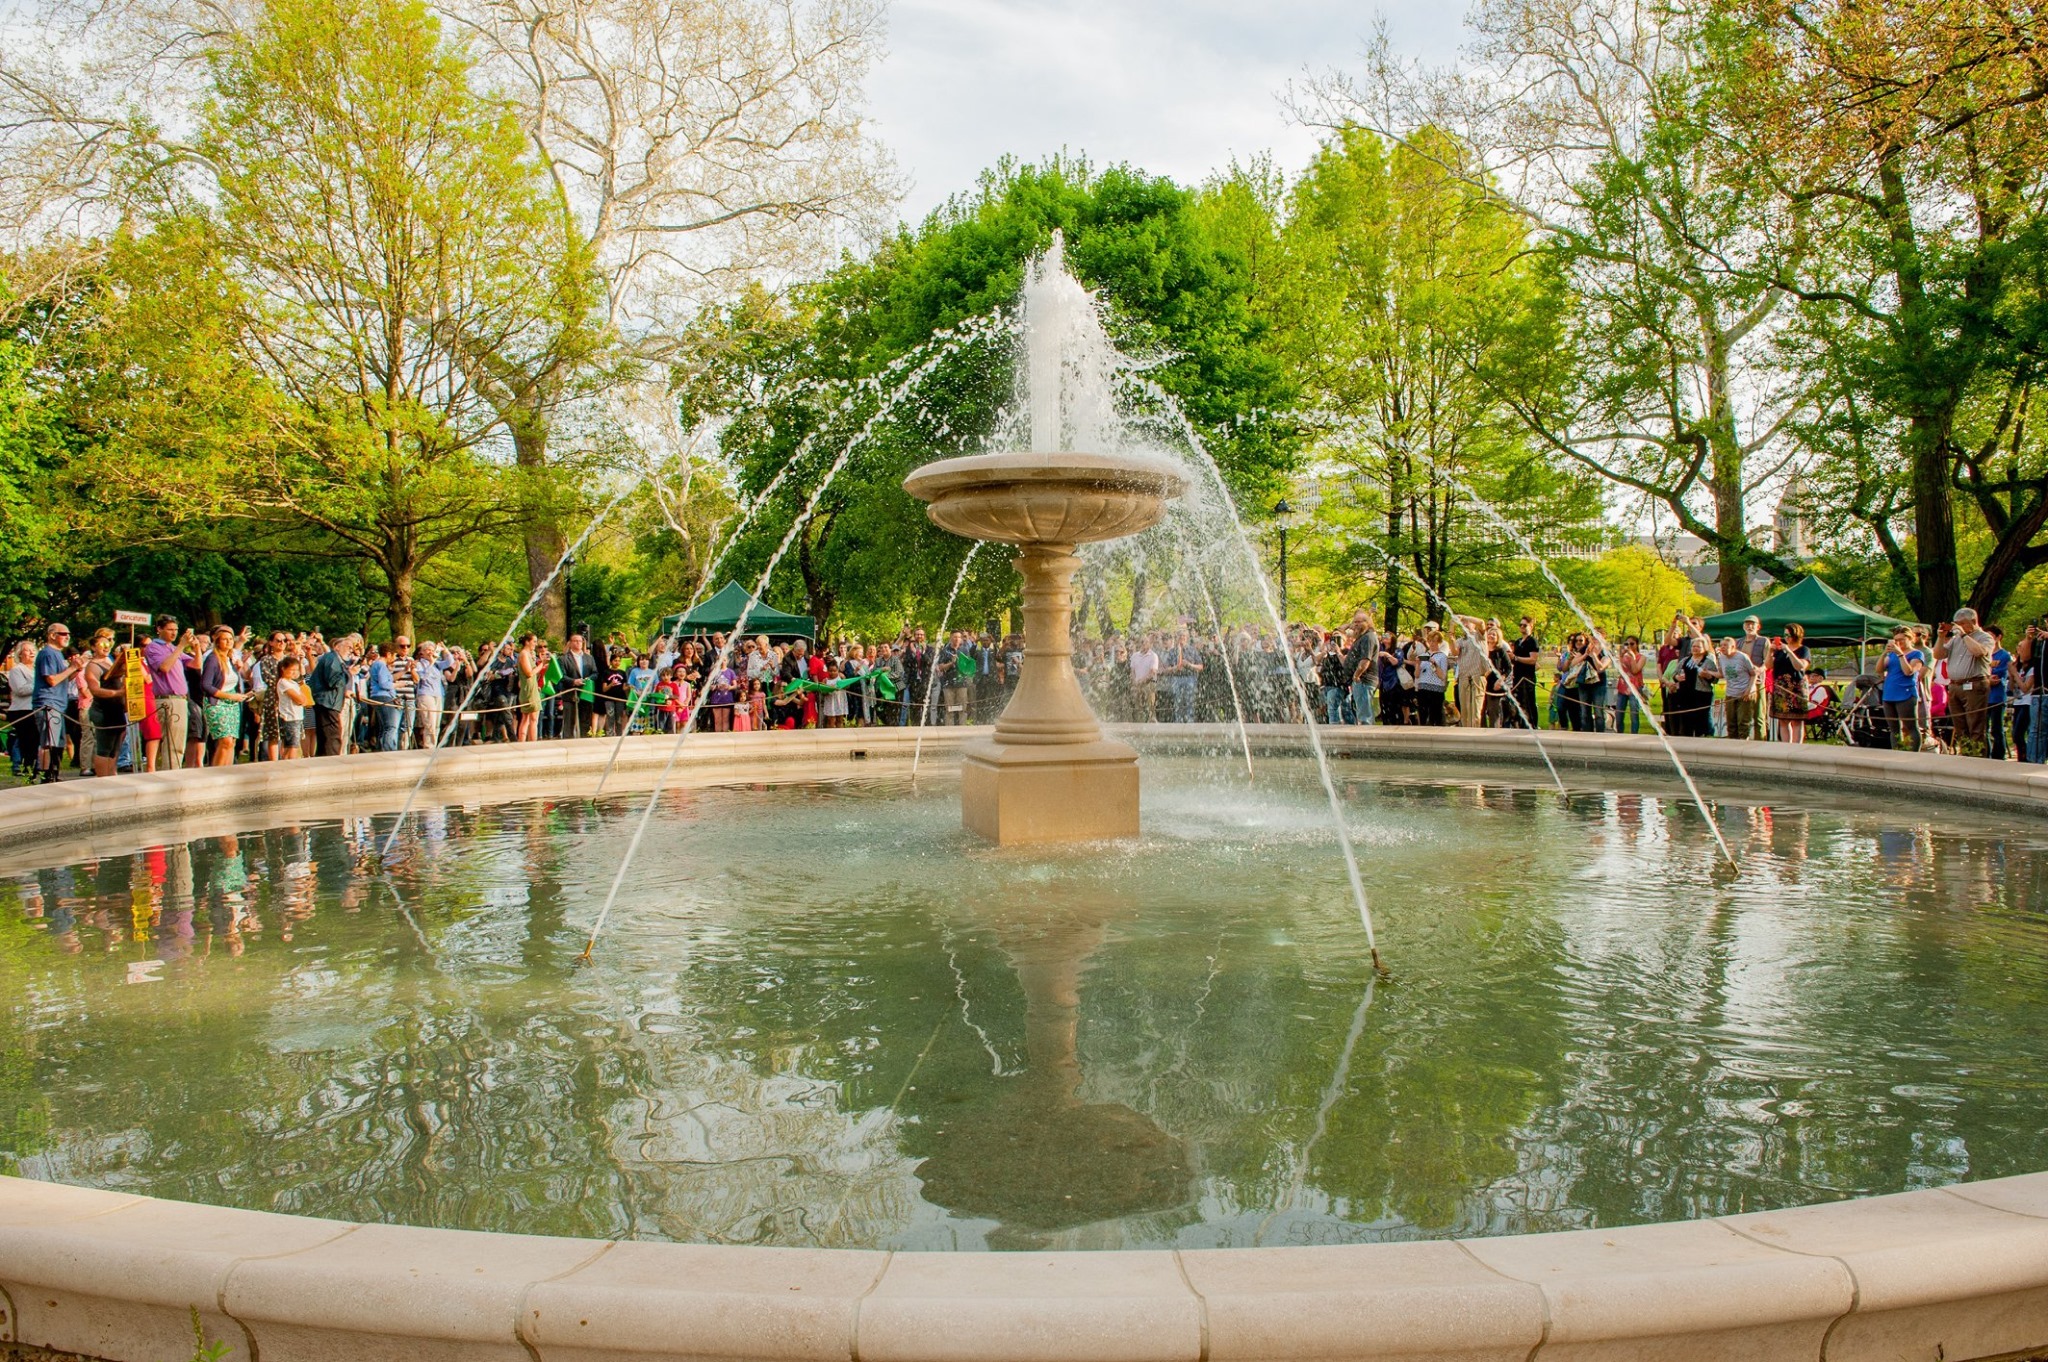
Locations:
(54, 698)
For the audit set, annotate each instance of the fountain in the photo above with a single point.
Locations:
(832, 1041)
(1048, 774)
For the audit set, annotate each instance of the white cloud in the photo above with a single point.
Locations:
(1174, 88)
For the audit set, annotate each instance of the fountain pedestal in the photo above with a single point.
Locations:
(1048, 774)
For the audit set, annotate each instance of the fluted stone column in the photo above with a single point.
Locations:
(1048, 706)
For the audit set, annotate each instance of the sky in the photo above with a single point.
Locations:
(1176, 87)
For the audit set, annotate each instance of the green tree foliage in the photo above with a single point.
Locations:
(384, 218)
(278, 365)
(1630, 590)
(784, 370)
(1913, 133)
(1408, 302)
(35, 440)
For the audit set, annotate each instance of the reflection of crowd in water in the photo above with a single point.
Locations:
(195, 898)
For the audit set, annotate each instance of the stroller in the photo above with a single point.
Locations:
(1823, 716)
(1863, 721)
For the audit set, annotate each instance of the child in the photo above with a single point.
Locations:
(789, 705)
(722, 687)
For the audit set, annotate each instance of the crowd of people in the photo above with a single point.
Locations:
(187, 697)
(1958, 689)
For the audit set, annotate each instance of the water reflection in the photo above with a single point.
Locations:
(826, 1017)
(1031, 1155)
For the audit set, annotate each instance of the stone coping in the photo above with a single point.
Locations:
(1955, 1273)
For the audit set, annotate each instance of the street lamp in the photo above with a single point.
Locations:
(568, 595)
(1281, 510)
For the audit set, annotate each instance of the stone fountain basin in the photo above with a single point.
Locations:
(1063, 498)
(1956, 1273)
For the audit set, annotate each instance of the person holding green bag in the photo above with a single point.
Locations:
(575, 670)
(957, 670)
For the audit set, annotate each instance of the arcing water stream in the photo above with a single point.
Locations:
(454, 716)
(1257, 567)
(688, 721)
(1493, 516)
(931, 686)
(1244, 738)
(942, 346)
(1528, 720)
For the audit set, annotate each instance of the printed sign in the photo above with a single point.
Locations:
(138, 695)
(131, 617)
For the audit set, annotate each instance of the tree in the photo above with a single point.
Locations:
(370, 217)
(688, 147)
(1602, 124)
(1917, 130)
(1413, 294)
(35, 442)
(696, 146)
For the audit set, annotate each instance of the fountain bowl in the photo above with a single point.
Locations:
(1059, 498)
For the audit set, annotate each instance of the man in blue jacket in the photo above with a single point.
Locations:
(329, 683)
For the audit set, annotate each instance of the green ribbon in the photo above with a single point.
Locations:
(884, 687)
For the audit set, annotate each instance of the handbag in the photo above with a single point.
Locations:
(1405, 677)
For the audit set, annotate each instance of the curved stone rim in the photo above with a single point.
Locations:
(1962, 1269)
(1148, 473)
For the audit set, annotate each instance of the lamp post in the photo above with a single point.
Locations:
(568, 597)
(1281, 510)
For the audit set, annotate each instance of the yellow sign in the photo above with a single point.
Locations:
(138, 693)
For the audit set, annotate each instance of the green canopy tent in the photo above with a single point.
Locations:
(1829, 618)
(721, 615)
(1826, 614)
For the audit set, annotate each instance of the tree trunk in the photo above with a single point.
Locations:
(1730, 524)
(543, 535)
(1391, 618)
(1927, 445)
(399, 610)
(1934, 526)
(2010, 559)
(1724, 447)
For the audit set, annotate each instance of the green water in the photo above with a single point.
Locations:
(823, 1015)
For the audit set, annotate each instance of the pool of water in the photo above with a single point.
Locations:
(823, 1015)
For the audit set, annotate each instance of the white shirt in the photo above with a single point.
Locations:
(1429, 672)
(1144, 666)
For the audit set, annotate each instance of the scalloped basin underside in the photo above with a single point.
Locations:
(824, 1015)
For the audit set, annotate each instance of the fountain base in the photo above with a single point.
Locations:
(1015, 794)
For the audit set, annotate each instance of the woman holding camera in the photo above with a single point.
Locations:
(1789, 701)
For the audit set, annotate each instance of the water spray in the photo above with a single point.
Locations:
(454, 719)
(1528, 719)
(932, 684)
